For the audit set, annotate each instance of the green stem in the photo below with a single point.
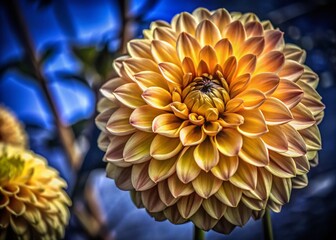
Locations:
(198, 234)
(267, 225)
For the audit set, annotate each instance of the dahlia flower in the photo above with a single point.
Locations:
(212, 119)
(11, 130)
(33, 203)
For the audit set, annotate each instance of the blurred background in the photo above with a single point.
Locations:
(54, 56)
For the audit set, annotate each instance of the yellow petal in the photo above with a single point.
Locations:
(115, 150)
(294, 53)
(103, 117)
(220, 18)
(273, 40)
(208, 55)
(253, 45)
(201, 14)
(281, 166)
(118, 124)
(165, 34)
(142, 117)
(235, 32)
(270, 62)
(136, 65)
(184, 22)
(139, 48)
(163, 52)
(140, 178)
(214, 207)
(302, 117)
(252, 203)
(165, 195)
(267, 25)
(180, 110)
(252, 98)
(228, 142)
(223, 50)
(264, 184)
(172, 73)
(239, 84)
(188, 205)
(168, 125)
(186, 168)
(300, 181)
(137, 147)
(281, 190)
(206, 184)
(202, 68)
(129, 94)
(16, 207)
(187, 46)
(159, 170)
(192, 135)
(178, 188)
(275, 112)
(229, 194)
(275, 139)
(151, 200)
(312, 138)
(206, 155)
(238, 215)
(188, 67)
(291, 71)
(302, 165)
(107, 89)
(265, 82)
(254, 29)
(311, 98)
(212, 128)
(310, 77)
(148, 79)
(157, 97)
(289, 93)
(245, 176)
(164, 147)
(296, 144)
(19, 225)
(229, 68)
(254, 123)
(254, 152)
(207, 33)
(234, 105)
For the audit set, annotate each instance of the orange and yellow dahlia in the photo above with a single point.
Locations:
(33, 203)
(213, 119)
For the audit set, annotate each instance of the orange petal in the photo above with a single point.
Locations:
(186, 168)
(164, 147)
(206, 155)
(311, 98)
(178, 188)
(206, 184)
(253, 45)
(220, 18)
(270, 62)
(228, 142)
(180, 110)
(312, 138)
(302, 165)
(265, 82)
(184, 22)
(172, 73)
(245, 176)
(142, 117)
(273, 40)
(296, 144)
(157, 97)
(281, 166)
(229, 68)
(294, 53)
(231, 119)
(252, 98)
(223, 50)
(187, 46)
(148, 79)
(140, 178)
(165, 34)
(239, 84)
(254, 152)
(275, 139)
(247, 64)
(192, 135)
(201, 14)
(291, 71)
(118, 123)
(188, 67)
(139, 48)
(229, 194)
(188, 205)
(302, 117)
(163, 52)
(275, 112)
(159, 170)
(234, 105)
(208, 55)
(129, 94)
(137, 147)
(254, 29)
(235, 32)
(254, 123)
(168, 124)
(289, 93)
(226, 167)
(207, 33)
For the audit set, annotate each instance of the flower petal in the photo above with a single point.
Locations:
(142, 117)
(118, 124)
(164, 147)
(270, 62)
(214, 207)
(229, 68)
(206, 155)
(137, 147)
(188, 205)
(254, 29)
(187, 46)
(235, 32)
(207, 33)
(252, 98)
(172, 73)
(201, 14)
(254, 152)
(312, 138)
(265, 82)
(291, 71)
(208, 55)
(220, 18)
(226, 167)
(223, 50)
(136, 65)
(192, 135)
(165, 34)
(275, 139)
(294, 53)
(159, 170)
(281, 166)
(139, 48)
(129, 94)
(168, 124)
(140, 178)
(245, 176)
(229, 194)
(157, 97)
(296, 144)
(254, 123)
(184, 22)
(273, 40)
(253, 45)
(238, 215)
(165, 195)
(163, 52)
(206, 184)
(228, 142)
(289, 93)
(302, 117)
(151, 200)
(302, 165)
(281, 190)
(148, 79)
(264, 184)
(186, 168)
(275, 112)
(178, 188)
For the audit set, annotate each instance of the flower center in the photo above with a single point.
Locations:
(205, 92)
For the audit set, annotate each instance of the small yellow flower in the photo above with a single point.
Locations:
(11, 130)
(213, 119)
(33, 203)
